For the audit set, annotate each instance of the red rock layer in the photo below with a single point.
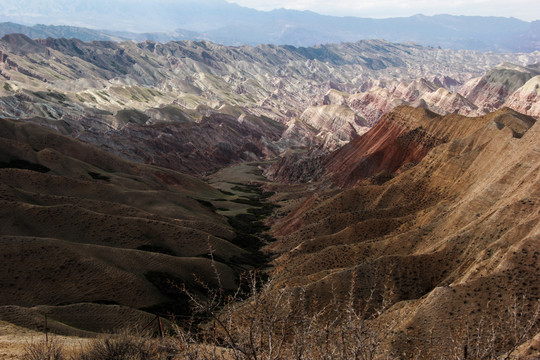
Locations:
(403, 136)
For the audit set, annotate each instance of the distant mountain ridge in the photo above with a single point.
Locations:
(41, 31)
(230, 24)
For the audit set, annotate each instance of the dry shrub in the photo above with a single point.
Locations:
(497, 337)
(123, 346)
(281, 324)
(275, 324)
(43, 350)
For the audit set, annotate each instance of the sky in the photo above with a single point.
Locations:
(527, 10)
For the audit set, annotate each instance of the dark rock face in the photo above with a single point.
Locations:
(297, 168)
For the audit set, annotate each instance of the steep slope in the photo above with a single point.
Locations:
(186, 101)
(216, 140)
(374, 103)
(507, 85)
(399, 140)
(444, 246)
(443, 101)
(402, 137)
(269, 79)
(377, 97)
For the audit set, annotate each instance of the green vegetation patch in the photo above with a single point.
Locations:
(251, 232)
(8, 87)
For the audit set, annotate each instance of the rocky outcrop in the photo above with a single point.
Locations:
(378, 98)
(412, 91)
(374, 103)
(335, 97)
(526, 99)
(275, 81)
(443, 101)
(298, 168)
(278, 96)
(337, 124)
(401, 139)
(445, 95)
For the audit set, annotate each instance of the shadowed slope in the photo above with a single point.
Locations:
(78, 225)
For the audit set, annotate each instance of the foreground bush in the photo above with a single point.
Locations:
(43, 350)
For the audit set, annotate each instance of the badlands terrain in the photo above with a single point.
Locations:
(398, 179)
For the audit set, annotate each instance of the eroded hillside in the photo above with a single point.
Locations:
(449, 243)
(91, 236)
(197, 100)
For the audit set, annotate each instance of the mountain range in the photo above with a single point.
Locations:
(252, 102)
(398, 183)
(225, 23)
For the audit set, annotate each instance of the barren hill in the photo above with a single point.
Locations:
(80, 226)
(447, 244)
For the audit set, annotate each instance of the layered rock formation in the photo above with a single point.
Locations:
(526, 99)
(491, 91)
(399, 140)
(116, 94)
(214, 141)
(507, 85)
(337, 124)
(447, 203)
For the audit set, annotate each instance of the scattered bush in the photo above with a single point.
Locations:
(8, 87)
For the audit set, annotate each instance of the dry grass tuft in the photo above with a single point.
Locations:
(124, 346)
